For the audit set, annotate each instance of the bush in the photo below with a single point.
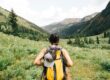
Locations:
(91, 41)
(106, 64)
(109, 41)
(101, 76)
(69, 41)
(77, 40)
(4, 62)
(97, 40)
(14, 72)
(86, 40)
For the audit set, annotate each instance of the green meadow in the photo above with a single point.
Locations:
(17, 55)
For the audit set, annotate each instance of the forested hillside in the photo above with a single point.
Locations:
(97, 25)
(24, 28)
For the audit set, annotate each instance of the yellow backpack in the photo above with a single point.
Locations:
(58, 70)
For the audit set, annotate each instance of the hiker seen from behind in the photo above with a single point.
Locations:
(54, 60)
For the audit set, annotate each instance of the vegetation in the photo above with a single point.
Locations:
(12, 24)
(106, 64)
(69, 41)
(95, 26)
(12, 21)
(105, 34)
(17, 56)
(97, 38)
(109, 40)
(86, 40)
(91, 59)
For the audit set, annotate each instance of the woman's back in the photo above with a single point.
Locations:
(53, 60)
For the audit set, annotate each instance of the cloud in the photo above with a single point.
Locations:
(52, 13)
(55, 14)
(21, 7)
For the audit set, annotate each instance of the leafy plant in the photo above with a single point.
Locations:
(106, 64)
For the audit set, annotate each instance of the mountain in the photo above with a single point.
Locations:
(26, 28)
(89, 17)
(94, 25)
(62, 28)
(78, 27)
(57, 27)
(70, 21)
(99, 24)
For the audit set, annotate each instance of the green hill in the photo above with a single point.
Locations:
(97, 25)
(27, 29)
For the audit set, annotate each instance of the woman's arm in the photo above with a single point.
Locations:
(38, 60)
(67, 57)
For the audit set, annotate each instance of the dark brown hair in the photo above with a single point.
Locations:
(54, 38)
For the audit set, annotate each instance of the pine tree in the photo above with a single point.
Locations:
(69, 41)
(77, 40)
(12, 21)
(105, 34)
(98, 42)
(91, 41)
(109, 40)
(86, 40)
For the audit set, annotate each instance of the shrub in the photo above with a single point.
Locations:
(91, 41)
(69, 41)
(105, 34)
(14, 71)
(101, 76)
(86, 40)
(4, 62)
(77, 40)
(109, 40)
(97, 39)
(106, 64)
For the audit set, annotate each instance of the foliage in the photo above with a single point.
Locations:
(99, 24)
(77, 40)
(105, 34)
(91, 41)
(12, 21)
(69, 41)
(17, 56)
(109, 40)
(106, 64)
(86, 40)
(12, 24)
(97, 40)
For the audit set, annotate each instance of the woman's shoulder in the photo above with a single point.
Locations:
(64, 51)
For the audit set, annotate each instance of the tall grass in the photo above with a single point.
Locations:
(17, 56)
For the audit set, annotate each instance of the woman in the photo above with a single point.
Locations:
(42, 61)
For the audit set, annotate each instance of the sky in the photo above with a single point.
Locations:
(44, 12)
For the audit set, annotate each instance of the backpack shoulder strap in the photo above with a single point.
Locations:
(43, 76)
(64, 64)
(47, 50)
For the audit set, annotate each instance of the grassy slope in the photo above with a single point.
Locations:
(21, 21)
(17, 55)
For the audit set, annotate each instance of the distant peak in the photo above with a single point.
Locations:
(70, 20)
(108, 5)
(86, 18)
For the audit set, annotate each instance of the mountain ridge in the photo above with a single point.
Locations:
(96, 24)
(30, 28)
(66, 23)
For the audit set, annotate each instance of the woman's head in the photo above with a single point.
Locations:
(54, 39)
